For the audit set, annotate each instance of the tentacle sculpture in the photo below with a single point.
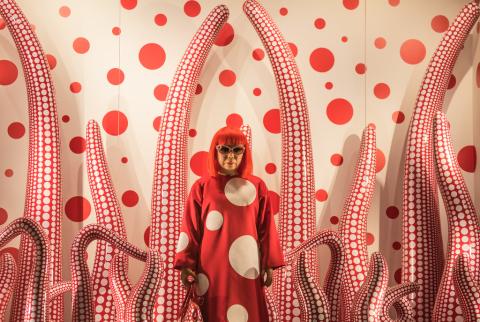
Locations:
(271, 305)
(422, 260)
(82, 298)
(467, 288)
(108, 214)
(247, 131)
(59, 290)
(170, 175)
(43, 193)
(463, 223)
(396, 297)
(297, 199)
(353, 222)
(119, 284)
(8, 274)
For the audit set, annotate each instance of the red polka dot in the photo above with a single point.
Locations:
(9, 72)
(115, 76)
(396, 245)
(198, 163)
(467, 158)
(65, 118)
(412, 51)
(81, 45)
(344, 38)
(2, 24)
(64, 11)
(75, 87)
(146, 236)
(3, 216)
(381, 91)
(322, 60)
(116, 31)
(440, 23)
(380, 161)
(274, 201)
(12, 251)
(225, 35)
(394, 3)
(257, 91)
(398, 117)
(350, 4)
(283, 11)
(8, 173)
(234, 120)
(328, 85)
(271, 121)
(319, 23)
(16, 130)
(227, 77)
(370, 239)
(156, 123)
(78, 145)
(52, 61)
(160, 92)
(129, 4)
(336, 159)
(334, 220)
(380, 42)
(339, 111)
(477, 74)
(191, 8)
(198, 90)
(160, 19)
(124, 160)
(321, 195)
(293, 48)
(258, 54)
(192, 133)
(360, 69)
(129, 198)
(152, 56)
(77, 208)
(392, 212)
(270, 168)
(398, 276)
(115, 122)
(452, 82)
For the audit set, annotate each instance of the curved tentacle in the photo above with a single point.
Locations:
(82, 301)
(43, 191)
(8, 275)
(463, 223)
(271, 305)
(422, 260)
(170, 175)
(119, 284)
(59, 289)
(395, 297)
(466, 288)
(108, 213)
(353, 222)
(297, 220)
(247, 131)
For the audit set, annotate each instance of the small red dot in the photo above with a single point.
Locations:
(227, 77)
(115, 122)
(321, 195)
(198, 90)
(334, 220)
(192, 133)
(283, 11)
(380, 42)
(191, 8)
(452, 82)
(8, 173)
(116, 31)
(130, 198)
(381, 91)
(370, 239)
(293, 48)
(75, 87)
(128, 4)
(146, 236)
(77, 208)
(52, 61)
(16, 130)
(319, 23)
(398, 276)
(360, 68)
(115, 76)
(257, 91)
(328, 85)
(2, 24)
(392, 212)
(78, 145)
(398, 117)
(81, 45)
(64, 11)
(160, 92)
(270, 168)
(124, 160)
(344, 39)
(396, 245)
(65, 118)
(258, 54)
(161, 19)
(336, 159)
(234, 120)
(3, 216)
(156, 123)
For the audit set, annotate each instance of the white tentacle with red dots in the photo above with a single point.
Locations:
(8, 275)
(120, 285)
(59, 290)
(467, 288)
(272, 306)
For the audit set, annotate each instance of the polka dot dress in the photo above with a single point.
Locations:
(228, 235)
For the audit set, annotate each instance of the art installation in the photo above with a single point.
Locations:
(436, 284)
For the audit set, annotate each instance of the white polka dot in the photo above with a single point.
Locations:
(214, 220)
(203, 284)
(240, 192)
(244, 257)
(182, 242)
(237, 313)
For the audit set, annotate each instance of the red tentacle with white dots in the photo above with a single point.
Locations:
(43, 196)
(108, 214)
(59, 289)
(463, 223)
(8, 275)
(422, 260)
(120, 285)
(247, 131)
(467, 288)
(272, 306)
(297, 206)
(170, 177)
(353, 222)
(395, 297)
(82, 298)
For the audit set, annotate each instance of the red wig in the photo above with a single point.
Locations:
(229, 136)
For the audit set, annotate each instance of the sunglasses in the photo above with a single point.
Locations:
(225, 149)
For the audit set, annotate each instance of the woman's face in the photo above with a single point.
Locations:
(230, 157)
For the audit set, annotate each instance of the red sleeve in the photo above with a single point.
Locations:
(271, 252)
(190, 237)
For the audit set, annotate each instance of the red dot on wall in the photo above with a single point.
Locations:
(257, 91)
(322, 60)
(334, 220)
(198, 163)
(380, 42)
(115, 76)
(52, 61)
(3, 216)
(198, 89)
(81, 45)
(274, 201)
(146, 236)
(160, 19)
(271, 121)
(77, 208)
(392, 212)
(2, 24)
(65, 118)
(328, 85)
(370, 239)
(336, 159)
(467, 158)
(234, 120)
(360, 69)
(75, 87)
(350, 4)
(412, 51)
(160, 92)
(398, 117)
(116, 31)
(129, 198)
(156, 123)
(9, 72)
(398, 276)
(321, 195)
(192, 8)
(129, 4)
(344, 38)
(16, 130)
(124, 160)
(283, 11)
(394, 3)
(227, 77)
(258, 54)
(270, 168)
(319, 23)
(8, 173)
(293, 48)
(440, 23)
(380, 161)
(152, 56)
(64, 11)
(192, 133)
(78, 145)
(225, 35)
(452, 82)
(381, 90)
(396, 245)
(339, 111)
(115, 122)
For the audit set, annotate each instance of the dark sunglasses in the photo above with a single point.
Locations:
(225, 149)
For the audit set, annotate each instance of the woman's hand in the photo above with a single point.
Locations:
(188, 277)
(268, 276)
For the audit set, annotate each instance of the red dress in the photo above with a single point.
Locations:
(228, 235)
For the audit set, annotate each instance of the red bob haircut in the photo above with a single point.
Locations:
(229, 136)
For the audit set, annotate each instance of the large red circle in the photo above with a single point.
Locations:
(467, 158)
(16, 130)
(412, 51)
(77, 208)
(339, 111)
(198, 163)
(225, 35)
(152, 56)
(115, 123)
(271, 121)
(130, 198)
(8, 72)
(322, 60)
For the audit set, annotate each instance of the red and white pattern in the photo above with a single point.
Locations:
(8, 275)
(396, 297)
(119, 284)
(467, 288)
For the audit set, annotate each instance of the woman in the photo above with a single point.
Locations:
(228, 242)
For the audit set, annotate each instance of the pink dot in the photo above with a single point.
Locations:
(339, 111)
(160, 92)
(271, 121)
(115, 122)
(3, 216)
(198, 90)
(124, 160)
(77, 208)
(52, 61)
(283, 11)
(75, 87)
(129, 4)
(81, 45)
(65, 118)
(412, 51)
(78, 145)
(270, 168)
(336, 159)
(322, 59)
(161, 19)
(116, 31)
(321, 195)
(129, 198)
(146, 236)
(370, 239)
(156, 123)
(198, 163)
(452, 82)
(380, 42)
(9, 72)
(398, 276)
(191, 8)
(227, 77)
(152, 56)
(467, 158)
(396, 245)
(257, 91)
(440, 23)
(392, 212)
(328, 85)
(258, 54)
(192, 133)
(8, 173)
(394, 3)
(334, 220)
(350, 4)
(225, 35)
(360, 69)
(274, 201)
(398, 117)
(234, 120)
(115, 76)
(319, 23)
(381, 90)
(477, 74)
(293, 48)
(64, 11)
(380, 164)
(16, 130)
